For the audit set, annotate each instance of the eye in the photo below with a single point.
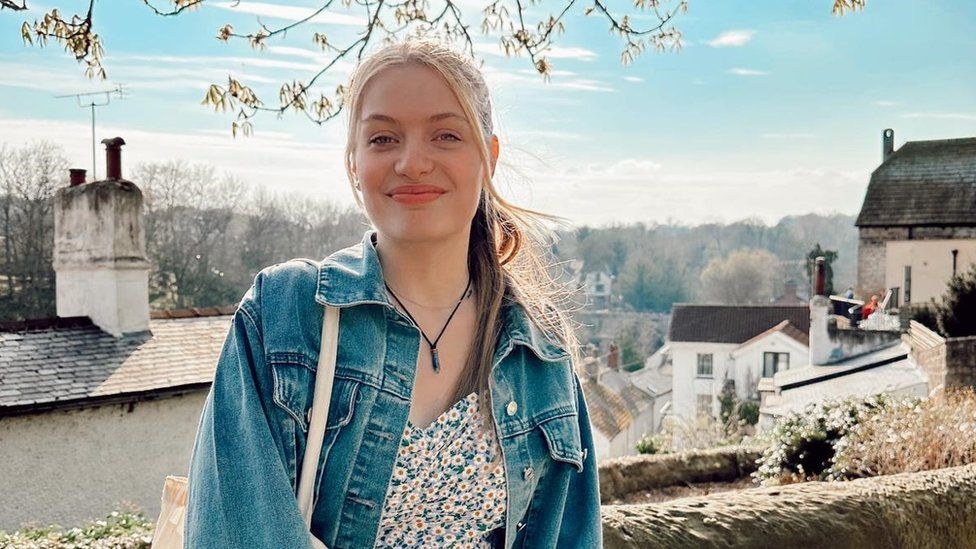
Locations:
(450, 136)
(379, 140)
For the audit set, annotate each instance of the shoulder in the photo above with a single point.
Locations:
(281, 283)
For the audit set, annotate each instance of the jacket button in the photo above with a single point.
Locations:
(527, 473)
(584, 453)
(519, 526)
(511, 408)
(308, 416)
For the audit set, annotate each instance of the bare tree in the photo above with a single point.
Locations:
(518, 26)
(29, 177)
(189, 210)
(745, 276)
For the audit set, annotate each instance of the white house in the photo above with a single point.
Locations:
(843, 362)
(598, 287)
(715, 345)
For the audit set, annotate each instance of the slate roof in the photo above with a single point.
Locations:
(70, 362)
(608, 412)
(732, 323)
(923, 183)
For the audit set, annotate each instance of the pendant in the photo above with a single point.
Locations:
(435, 361)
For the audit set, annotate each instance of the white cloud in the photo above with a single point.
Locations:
(732, 39)
(645, 190)
(581, 54)
(633, 79)
(747, 72)
(497, 77)
(941, 115)
(553, 52)
(271, 158)
(288, 13)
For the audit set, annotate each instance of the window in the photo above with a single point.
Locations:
(704, 364)
(703, 405)
(908, 283)
(774, 362)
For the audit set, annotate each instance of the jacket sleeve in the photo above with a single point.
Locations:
(239, 491)
(581, 525)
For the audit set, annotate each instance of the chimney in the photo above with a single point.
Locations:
(76, 176)
(100, 264)
(613, 358)
(113, 157)
(887, 143)
(821, 346)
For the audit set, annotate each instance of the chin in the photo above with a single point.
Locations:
(421, 228)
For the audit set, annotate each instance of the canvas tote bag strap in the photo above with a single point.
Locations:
(320, 410)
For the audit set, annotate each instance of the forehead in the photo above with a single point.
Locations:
(408, 93)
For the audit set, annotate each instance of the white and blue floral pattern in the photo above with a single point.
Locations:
(445, 490)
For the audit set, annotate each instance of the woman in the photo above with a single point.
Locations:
(457, 417)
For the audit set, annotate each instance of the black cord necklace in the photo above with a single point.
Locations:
(435, 362)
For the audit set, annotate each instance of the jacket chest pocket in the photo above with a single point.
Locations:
(294, 392)
(293, 395)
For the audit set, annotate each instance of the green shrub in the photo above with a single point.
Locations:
(650, 444)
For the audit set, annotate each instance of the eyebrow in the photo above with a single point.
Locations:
(391, 120)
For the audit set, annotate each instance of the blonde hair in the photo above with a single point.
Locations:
(508, 248)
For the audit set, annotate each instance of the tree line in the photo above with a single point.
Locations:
(746, 261)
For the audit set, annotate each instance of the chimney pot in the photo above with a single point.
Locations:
(820, 274)
(113, 157)
(887, 143)
(76, 176)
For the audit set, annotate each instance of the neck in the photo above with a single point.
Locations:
(429, 272)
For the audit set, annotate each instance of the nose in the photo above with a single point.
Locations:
(414, 161)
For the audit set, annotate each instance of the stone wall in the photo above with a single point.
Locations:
(961, 361)
(930, 509)
(629, 474)
(948, 362)
(871, 257)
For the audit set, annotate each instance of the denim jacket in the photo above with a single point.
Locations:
(252, 432)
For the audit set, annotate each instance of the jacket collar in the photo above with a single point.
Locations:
(354, 276)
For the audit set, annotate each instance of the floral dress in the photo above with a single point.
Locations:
(445, 492)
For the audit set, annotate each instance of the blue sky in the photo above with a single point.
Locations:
(773, 107)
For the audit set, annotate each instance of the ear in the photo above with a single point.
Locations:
(352, 167)
(494, 153)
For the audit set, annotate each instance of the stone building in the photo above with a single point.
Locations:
(917, 226)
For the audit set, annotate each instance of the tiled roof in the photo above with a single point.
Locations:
(68, 365)
(787, 329)
(923, 183)
(608, 412)
(732, 323)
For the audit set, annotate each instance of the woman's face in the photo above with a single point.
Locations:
(416, 157)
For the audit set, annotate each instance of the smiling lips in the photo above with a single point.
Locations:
(416, 194)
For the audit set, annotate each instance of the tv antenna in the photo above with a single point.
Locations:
(91, 100)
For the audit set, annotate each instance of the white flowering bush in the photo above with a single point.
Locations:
(126, 529)
(913, 435)
(802, 446)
